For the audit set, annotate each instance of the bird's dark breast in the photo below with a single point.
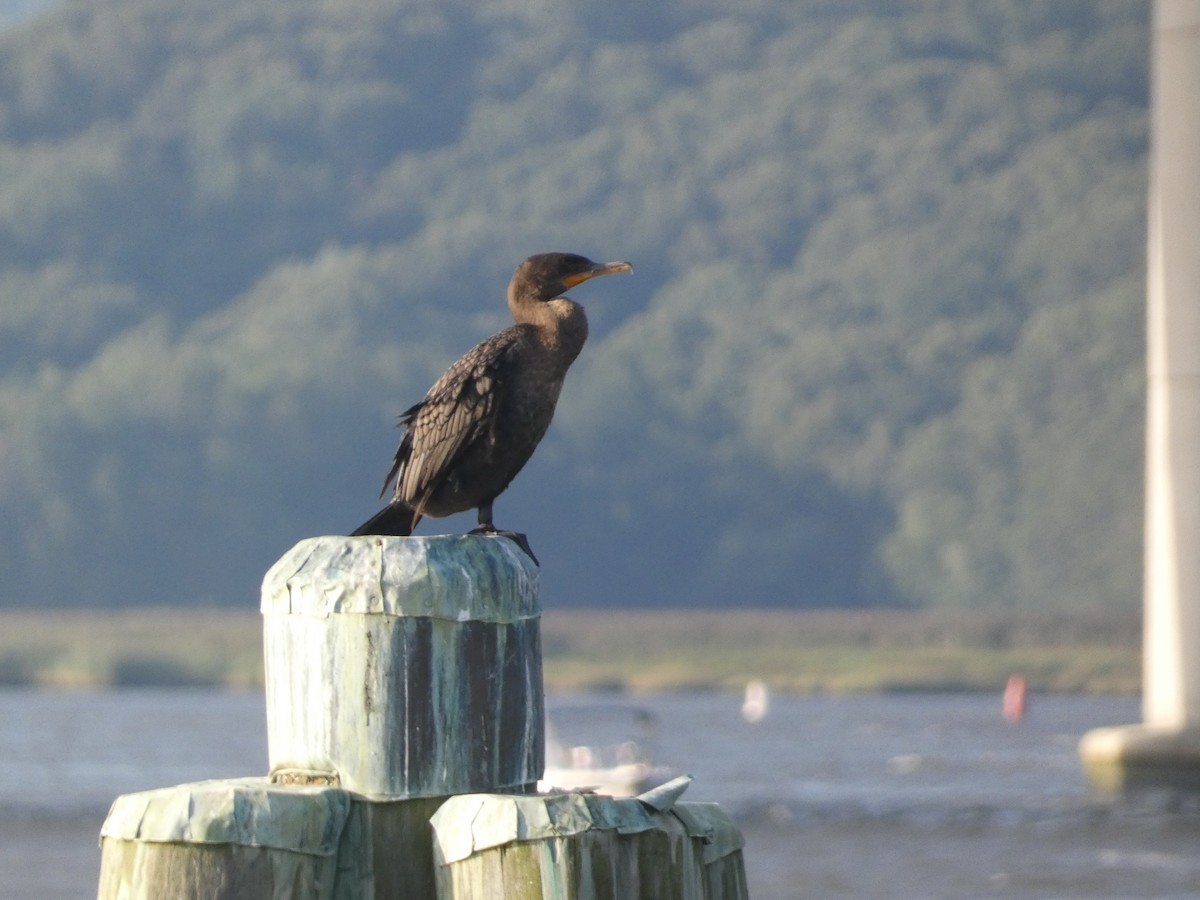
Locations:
(488, 465)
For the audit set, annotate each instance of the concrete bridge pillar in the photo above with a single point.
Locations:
(1165, 749)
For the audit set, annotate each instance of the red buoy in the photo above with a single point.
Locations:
(1014, 698)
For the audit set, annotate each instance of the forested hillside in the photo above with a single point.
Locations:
(883, 347)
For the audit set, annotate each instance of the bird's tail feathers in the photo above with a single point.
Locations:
(394, 519)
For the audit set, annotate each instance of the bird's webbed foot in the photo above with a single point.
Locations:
(515, 536)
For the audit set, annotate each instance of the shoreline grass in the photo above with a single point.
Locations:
(841, 651)
(626, 650)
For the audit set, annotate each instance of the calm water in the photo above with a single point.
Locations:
(896, 796)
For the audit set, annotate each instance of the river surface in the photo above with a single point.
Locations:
(906, 796)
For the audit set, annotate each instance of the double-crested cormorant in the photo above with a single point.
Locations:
(481, 421)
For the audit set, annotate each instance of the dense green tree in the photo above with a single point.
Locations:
(883, 346)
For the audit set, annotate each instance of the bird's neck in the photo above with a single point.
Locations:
(561, 324)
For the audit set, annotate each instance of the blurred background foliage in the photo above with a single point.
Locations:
(883, 348)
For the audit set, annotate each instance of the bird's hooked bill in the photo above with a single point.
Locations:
(607, 268)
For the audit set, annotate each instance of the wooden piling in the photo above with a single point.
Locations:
(405, 667)
(585, 847)
(223, 840)
(238, 839)
(399, 672)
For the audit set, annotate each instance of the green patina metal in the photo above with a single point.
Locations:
(406, 667)
(250, 812)
(250, 838)
(483, 578)
(400, 671)
(224, 840)
(585, 847)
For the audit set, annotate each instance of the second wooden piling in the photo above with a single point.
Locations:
(576, 846)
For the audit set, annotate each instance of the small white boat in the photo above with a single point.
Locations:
(601, 748)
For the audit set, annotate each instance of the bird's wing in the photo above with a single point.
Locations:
(458, 410)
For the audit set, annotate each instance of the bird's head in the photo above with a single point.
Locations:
(549, 275)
